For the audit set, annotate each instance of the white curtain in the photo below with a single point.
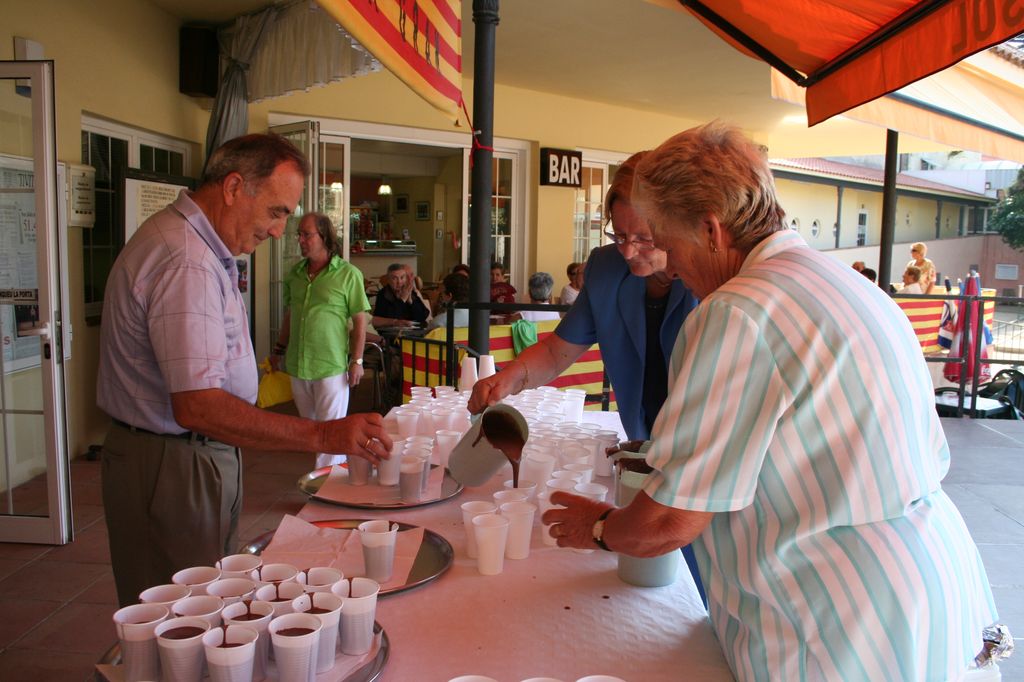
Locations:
(302, 48)
(230, 115)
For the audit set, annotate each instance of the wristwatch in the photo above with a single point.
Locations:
(358, 361)
(598, 530)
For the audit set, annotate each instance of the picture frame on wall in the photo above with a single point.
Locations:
(422, 210)
(401, 203)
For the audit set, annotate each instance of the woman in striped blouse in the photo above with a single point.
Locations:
(792, 450)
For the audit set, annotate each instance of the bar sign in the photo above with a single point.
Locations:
(561, 167)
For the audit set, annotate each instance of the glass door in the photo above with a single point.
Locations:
(333, 181)
(284, 252)
(34, 487)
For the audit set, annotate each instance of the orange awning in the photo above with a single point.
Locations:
(848, 52)
(419, 42)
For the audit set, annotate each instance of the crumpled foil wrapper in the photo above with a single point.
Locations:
(998, 645)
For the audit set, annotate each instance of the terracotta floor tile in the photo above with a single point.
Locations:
(85, 515)
(21, 616)
(22, 551)
(9, 566)
(102, 591)
(19, 665)
(89, 547)
(75, 628)
(51, 580)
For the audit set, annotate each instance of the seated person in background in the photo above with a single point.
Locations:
(540, 293)
(571, 290)
(501, 291)
(911, 280)
(454, 288)
(461, 269)
(870, 274)
(400, 304)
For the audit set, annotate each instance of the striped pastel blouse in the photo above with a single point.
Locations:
(794, 410)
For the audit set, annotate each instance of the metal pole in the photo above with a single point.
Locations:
(888, 208)
(485, 17)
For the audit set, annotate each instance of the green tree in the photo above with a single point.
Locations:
(1008, 218)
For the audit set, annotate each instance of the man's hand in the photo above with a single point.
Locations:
(355, 374)
(359, 435)
(489, 391)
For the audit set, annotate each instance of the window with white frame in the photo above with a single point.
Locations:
(112, 148)
(588, 215)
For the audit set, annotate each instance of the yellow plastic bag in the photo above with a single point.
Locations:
(275, 387)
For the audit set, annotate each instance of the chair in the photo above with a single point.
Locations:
(373, 394)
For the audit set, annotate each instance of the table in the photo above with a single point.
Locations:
(946, 404)
(557, 613)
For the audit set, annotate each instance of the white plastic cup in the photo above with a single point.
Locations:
(472, 678)
(491, 536)
(165, 595)
(181, 657)
(536, 466)
(235, 663)
(567, 475)
(319, 578)
(232, 590)
(525, 485)
(280, 596)
(205, 606)
(580, 453)
(586, 471)
(542, 679)
(378, 539)
(389, 469)
(408, 422)
(593, 491)
(269, 574)
(136, 632)
(357, 614)
(330, 619)
(296, 655)
(600, 678)
(503, 496)
(359, 471)
(520, 529)
(486, 368)
(445, 441)
(238, 565)
(567, 485)
(469, 511)
(410, 479)
(236, 614)
(468, 374)
(196, 578)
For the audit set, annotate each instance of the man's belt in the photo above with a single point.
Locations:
(187, 435)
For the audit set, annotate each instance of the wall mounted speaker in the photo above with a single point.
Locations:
(198, 61)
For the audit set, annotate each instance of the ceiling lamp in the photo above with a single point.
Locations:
(385, 188)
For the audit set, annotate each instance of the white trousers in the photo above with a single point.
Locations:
(322, 400)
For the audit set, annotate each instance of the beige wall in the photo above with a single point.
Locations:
(124, 70)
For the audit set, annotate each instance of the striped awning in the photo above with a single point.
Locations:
(419, 41)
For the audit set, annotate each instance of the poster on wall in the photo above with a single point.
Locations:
(18, 285)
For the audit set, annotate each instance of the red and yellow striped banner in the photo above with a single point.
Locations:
(420, 41)
(586, 373)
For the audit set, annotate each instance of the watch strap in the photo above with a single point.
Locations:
(599, 529)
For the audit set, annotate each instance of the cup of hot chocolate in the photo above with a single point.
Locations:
(280, 596)
(358, 611)
(231, 654)
(180, 643)
(296, 639)
(257, 616)
(326, 607)
(238, 565)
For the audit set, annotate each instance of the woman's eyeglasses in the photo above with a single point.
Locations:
(638, 244)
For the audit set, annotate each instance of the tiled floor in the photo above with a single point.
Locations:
(60, 599)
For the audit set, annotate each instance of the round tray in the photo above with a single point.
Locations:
(310, 484)
(370, 671)
(434, 558)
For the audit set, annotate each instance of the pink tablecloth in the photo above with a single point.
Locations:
(557, 613)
